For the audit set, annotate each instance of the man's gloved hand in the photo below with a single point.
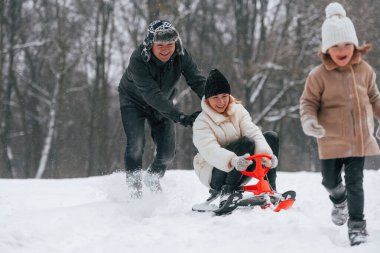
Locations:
(195, 115)
(311, 127)
(240, 162)
(378, 133)
(186, 120)
(273, 163)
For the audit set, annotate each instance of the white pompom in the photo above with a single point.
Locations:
(335, 9)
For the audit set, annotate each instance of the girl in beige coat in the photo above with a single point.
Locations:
(225, 135)
(337, 107)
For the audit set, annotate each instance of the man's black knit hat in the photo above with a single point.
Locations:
(216, 84)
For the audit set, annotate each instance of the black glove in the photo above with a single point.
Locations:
(186, 120)
(195, 115)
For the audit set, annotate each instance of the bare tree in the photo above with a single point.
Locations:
(60, 62)
(63, 61)
(4, 168)
(99, 120)
(13, 21)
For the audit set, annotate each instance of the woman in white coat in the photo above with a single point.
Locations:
(225, 135)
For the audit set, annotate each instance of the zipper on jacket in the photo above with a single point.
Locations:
(360, 127)
(353, 122)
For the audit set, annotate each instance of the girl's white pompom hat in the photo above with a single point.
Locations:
(337, 28)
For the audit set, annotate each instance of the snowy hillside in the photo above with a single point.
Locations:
(95, 215)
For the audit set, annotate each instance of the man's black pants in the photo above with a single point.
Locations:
(162, 132)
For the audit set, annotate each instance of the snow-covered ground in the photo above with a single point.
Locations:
(96, 215)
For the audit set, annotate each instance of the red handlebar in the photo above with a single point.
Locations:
(259, 171)
(252, 157)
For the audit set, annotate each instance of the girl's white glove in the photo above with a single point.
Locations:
(311, 127)
(378, 133)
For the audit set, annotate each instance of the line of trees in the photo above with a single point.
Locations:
(61, 61)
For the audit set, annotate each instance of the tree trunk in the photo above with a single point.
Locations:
(99, 128)
(51, 128)
(14, 13)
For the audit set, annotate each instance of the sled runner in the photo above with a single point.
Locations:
(259, 194)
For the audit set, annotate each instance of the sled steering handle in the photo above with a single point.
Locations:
(259, 172)
(253, 157)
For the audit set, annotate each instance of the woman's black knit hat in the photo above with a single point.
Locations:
(216, 84)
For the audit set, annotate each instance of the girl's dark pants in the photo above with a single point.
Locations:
(240, 147)
(353, 191)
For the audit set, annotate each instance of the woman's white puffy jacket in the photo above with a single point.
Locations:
(213, 131)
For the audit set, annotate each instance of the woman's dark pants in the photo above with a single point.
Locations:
(240, 147)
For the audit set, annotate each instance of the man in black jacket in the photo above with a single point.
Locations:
(146, 92)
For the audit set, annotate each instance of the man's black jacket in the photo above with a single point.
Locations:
(152, 83)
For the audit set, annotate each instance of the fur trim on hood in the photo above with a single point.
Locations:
(356, 57)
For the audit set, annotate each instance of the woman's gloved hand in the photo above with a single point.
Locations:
(240, 162)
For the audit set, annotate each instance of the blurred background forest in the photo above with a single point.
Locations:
(61, 62)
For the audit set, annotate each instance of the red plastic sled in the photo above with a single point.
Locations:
(263, 189)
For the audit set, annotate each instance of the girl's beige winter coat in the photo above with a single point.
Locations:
(345, 102)
(213, 131)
